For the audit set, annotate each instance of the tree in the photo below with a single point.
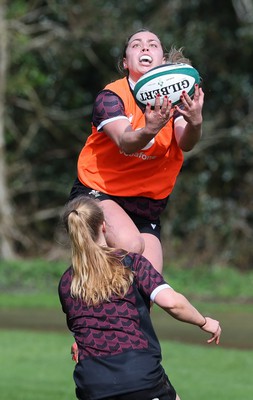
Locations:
(6, 213)
(61, 53)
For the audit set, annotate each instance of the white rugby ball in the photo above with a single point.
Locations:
(166, 80)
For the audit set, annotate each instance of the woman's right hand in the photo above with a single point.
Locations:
(158, 117)
(129, 140)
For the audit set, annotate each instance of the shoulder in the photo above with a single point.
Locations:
(122, 88)
(136, 261)
(107, 105)
(118, 84)
(107, 97)
(147, 277)
(111, 90)
(66, 278)
(129, 259)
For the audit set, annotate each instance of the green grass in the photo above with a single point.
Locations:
(37, 366)
(31, 275)
(209, 372)
(215, 283)
(29, 300)
(33, 283)
(30, 283)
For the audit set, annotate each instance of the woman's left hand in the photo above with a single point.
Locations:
(74, 352)
(192, 107)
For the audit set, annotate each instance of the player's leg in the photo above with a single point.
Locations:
(153, 251)
(121, 232)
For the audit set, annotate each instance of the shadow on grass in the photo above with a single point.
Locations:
(237, 325)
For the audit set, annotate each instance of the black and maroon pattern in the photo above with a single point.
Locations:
(114, 327)
(136, 207)
(143, 207)
(107, 105)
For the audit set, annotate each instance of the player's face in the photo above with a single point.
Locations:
(144, 51)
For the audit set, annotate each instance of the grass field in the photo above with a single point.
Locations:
(37, 366)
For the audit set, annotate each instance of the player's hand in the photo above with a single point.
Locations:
(158, 117)
(74, 352)
(212, 326)
(191, 108)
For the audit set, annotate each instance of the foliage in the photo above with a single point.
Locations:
(31, 275)
(62, 53)
(34, 283)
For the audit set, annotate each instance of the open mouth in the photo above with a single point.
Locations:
(146, 59)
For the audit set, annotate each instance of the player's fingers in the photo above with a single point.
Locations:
(165, 104)
(185, 99)
(216, 337)
(74, 352)
(196, 92)
(166, 108)
(157, 104)
(148, 108)
(199, 95)
(213, 338)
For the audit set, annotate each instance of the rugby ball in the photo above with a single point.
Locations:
(166, 80)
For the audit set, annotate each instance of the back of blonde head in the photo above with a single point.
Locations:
(175, 56)
(98, 272)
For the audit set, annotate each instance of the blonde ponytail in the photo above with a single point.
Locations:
(98, 272)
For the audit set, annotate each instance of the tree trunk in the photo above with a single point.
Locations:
(6, 217)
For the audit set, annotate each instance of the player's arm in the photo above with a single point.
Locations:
(188, 129)
(129, 140)
(181, 309)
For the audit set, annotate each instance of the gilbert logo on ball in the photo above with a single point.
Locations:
(166, 80)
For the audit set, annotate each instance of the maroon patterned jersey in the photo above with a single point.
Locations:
(116, 337)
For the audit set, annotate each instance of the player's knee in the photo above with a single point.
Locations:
(136, 244)
(133, 243)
